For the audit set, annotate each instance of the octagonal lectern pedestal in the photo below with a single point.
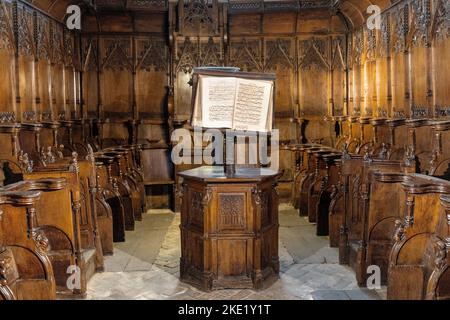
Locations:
(229, 227)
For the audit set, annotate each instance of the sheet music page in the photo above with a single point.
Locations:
(218, 97)
(252, 105)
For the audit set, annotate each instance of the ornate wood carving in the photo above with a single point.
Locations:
(401, 28)
(385, 36)
(196, 208)
(246, 54)
(339, 58)
(278, 53)
(231, 211)
(68, 49)
(313, 54)
(146, 4)
(371, 39)
(420, 22)
(187, 57)
(6, 29)
(358, 47)
(57, 56)
(197, 11)
(210, 54)
(191, 55)
(152, 55)
(25, 31)
(441, 20)
(43, 38)
(89, 58)
(118, 54)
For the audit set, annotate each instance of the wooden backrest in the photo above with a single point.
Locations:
(418, 256)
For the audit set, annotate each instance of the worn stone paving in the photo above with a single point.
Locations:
(146, 266)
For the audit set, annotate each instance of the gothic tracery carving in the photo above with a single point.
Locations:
(313, 54)
(278, 54)
(152, 55)
(118, 55)
(246, 54)
(6, 30)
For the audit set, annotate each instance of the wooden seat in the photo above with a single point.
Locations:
(110, 189)
(321, 189)
(356, 173)
(26, 271)
(418, 266)
(68, 227)
(128, 196)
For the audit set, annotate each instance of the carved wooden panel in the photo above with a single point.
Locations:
(197, 208)
(7, 48)
(6, 26)
(314, 64)
(232, 213)
(43, 38)
(25, 31)
(152, 67)
(117, 67)
(198, 17)
(246, 54)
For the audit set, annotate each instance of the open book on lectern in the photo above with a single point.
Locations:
(233, 100)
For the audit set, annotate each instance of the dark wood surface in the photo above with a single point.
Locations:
(229, 228)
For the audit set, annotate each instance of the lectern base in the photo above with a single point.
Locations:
(229, 228)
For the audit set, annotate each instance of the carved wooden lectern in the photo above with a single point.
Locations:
(229, 213)
(229, 227)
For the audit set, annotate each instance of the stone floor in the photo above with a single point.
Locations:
(146, 266)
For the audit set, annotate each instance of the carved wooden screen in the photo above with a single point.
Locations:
(26, 61)
(90, 69)
(7, 90)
